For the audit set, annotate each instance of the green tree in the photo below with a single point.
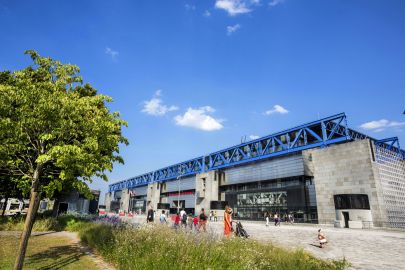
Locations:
(54, 132)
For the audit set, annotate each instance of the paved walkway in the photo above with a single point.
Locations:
(365, 249)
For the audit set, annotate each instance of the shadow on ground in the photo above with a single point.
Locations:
(55, 257)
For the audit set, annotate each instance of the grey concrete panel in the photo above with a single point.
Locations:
(189, 200)
(186, 183)
(271, 169)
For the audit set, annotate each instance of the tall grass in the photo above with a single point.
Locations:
(160, 247)
(43, 224)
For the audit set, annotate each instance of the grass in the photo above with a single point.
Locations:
(162, 248)
(43, 224)
(45, 252)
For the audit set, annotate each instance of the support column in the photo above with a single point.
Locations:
(125, 200)
(207, 186)
(153, 196)
(107, 201)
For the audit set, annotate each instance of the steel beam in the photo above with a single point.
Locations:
(320, 133)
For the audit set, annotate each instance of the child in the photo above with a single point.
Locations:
(195, 223)
(177, 221)
(321, 238)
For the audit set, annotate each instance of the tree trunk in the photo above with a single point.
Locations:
(29, 221)
(5, 205)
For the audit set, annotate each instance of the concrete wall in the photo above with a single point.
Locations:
(207, 185)
(124, 203)
(189, 200)
(344, 169)
(279, 167)
(186, 183)
(153, 196)
(107, 201)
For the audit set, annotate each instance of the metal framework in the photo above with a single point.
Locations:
(391, 144)
(320, 133)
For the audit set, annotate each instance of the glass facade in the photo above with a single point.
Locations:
(282, 197)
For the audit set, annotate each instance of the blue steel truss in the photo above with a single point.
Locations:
(320, 133)
(391, 144)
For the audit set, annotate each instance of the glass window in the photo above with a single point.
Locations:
(351, 201)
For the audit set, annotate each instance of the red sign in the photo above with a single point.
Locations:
(182, 193)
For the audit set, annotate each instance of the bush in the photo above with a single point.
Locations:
(160, 247)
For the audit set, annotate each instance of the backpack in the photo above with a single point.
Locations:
(184, 218)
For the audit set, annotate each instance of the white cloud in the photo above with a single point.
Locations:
(111, 52)
(200, 119)
(189, 7)
(253, 137)
(380, 125)
(274, 3)
(155, 105)
(235, 7)
(207, 13)
(230, 29)
(276, 109)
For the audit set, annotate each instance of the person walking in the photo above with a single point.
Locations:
(195, 223)
(183, 216)
(276, 220)
(190, 222)
(150, 215)
(163, 219)
(228, 221)
(203, 220)
(267, 217)
(215, 216)
(177, 221)
(182, 212)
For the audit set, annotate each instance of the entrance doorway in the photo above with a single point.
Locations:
(346, 218)
(63, 207)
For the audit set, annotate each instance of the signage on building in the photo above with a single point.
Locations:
(181, 193)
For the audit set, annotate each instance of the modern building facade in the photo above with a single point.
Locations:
(319, 172)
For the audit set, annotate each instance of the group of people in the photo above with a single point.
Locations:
(195, 223)
(277, 219)
(182, 219)
(213, 216)
(198, 223)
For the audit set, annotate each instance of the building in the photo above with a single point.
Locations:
(319, 172)
(75, 202)
(72, 201)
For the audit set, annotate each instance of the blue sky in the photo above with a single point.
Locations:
(193, 77)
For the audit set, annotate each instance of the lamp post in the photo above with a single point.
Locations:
(181, 172)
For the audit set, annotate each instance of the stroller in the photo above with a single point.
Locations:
(240, 231)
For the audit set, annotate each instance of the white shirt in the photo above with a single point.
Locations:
(182, 212)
